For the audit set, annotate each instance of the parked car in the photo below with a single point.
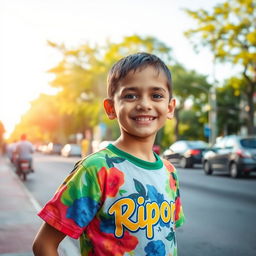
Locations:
(233, 154)
(186, 153)
(71, 150)
(53, 148)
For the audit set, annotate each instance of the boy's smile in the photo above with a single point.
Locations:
(143, 119)
(141, 103)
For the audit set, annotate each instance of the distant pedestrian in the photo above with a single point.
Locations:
(86, 144)
(123, 199)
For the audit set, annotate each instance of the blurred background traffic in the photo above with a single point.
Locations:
(209, 106)
(212, 102)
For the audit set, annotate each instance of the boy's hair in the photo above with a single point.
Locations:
(134, 62)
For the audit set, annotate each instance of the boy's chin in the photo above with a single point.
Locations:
(140, 134)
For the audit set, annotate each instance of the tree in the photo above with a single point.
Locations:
(230, 32)
(230, 114)
(43, 121)
(81, 79)
(188, 85)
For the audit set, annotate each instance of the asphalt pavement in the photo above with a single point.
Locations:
(19, 222)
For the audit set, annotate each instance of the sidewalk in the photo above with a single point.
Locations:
(19, 222)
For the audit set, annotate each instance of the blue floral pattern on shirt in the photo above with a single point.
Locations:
(82, 211)
(155, 248)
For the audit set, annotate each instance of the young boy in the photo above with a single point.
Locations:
(122, 200)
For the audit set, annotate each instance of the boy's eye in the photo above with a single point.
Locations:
(157, 96)
(130, 96)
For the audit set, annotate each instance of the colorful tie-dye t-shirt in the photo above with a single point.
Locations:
(118, 204)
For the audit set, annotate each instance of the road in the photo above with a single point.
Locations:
(220, 211)
(220, 214)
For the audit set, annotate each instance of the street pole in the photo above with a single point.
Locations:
(210, 107)
(213, 115)
(213, 105)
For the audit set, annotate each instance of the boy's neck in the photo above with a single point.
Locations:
(140, 148)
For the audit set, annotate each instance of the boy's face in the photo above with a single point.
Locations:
(141, 103)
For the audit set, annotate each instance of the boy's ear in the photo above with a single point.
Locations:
(109, 108)
(171, 109)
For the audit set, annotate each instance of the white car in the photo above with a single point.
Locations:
(71, 150)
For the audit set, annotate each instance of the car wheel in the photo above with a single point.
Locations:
(247, 174)
(233, 170)
(207, 168)
(183, 162)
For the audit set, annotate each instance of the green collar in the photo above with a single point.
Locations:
(158, 164)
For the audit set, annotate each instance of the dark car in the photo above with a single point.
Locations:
(233, 154)
(186, 152)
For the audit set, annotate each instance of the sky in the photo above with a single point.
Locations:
(26, 25)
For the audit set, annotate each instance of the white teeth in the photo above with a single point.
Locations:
(144, 119)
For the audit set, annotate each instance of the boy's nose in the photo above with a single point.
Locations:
(143, 104)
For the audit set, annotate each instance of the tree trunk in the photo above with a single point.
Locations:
(250, 121)
(176, 129)
(250, 94)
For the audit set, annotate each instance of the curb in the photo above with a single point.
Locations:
(66, 248)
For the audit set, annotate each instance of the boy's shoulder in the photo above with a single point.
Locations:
(169, 166)
(99, 158)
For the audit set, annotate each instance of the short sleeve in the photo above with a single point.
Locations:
(175, 186)
(179, 214)
(75, 203)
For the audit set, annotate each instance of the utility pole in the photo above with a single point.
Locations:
(213, 107)
(211, 117)
(213, 114)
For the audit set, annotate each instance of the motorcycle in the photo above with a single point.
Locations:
(23, 168)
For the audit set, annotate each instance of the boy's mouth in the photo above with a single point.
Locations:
(143, 118)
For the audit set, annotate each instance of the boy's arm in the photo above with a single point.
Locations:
(47, 241)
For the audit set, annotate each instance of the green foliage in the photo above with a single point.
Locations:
(81, 79)
(191, 127)
(230, 115)
(168, 136)
(188, 85)
(230, 32)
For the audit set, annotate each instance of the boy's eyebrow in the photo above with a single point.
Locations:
(136, 89)
(128, 89)
(158, 89)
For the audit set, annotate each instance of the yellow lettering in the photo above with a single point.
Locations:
(165, 211)
(147, 215)
(142, 222)
(152, 210)
(122, 218)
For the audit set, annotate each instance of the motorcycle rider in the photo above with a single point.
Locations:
(24, 151)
